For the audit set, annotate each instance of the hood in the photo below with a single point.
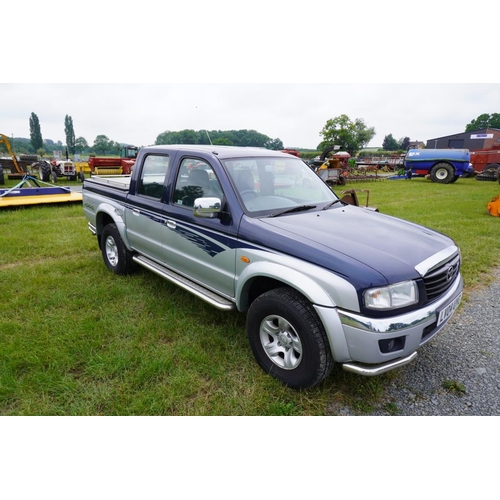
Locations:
(355, 242)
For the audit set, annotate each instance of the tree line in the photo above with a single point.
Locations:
(349, 135)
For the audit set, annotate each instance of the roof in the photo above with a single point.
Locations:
(221, 152)
(479, 131)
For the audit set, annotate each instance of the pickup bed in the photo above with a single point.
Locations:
(255, 230)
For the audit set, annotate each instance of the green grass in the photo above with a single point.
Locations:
(77, 340)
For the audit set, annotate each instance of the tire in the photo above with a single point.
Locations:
(324, 155)
(288, 339)
(28, 158)
(2, 176)
(44, 171)
(54, 177)
(115, 254)
(455, 179)
(81, 176)
(443, 173)
(490, 173)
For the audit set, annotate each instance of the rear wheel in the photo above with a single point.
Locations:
(443, 173)
(115, 254)
(44, 171)
(288, 339)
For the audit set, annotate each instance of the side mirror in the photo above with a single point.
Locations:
(208, 208)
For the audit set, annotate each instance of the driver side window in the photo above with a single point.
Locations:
(195, 179)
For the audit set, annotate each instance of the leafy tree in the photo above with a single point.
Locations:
(350, 135)
(35, 132)
(229, 137)
(114, 148)
(222, 141)
(81, 144)
(275, 144)
(102, 144)
(390, 144)
(404, 143)
(70, 134)
(484, 121)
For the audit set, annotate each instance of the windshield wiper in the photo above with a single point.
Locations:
(300, 208)
(326, 207)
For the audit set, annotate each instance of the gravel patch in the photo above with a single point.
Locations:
(458, 371)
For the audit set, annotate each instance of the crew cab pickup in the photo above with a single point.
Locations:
(257, 231)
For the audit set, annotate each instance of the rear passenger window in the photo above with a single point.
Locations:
(153, 174)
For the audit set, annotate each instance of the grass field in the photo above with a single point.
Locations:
(77, 340)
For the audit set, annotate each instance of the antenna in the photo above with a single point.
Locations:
(210, 140)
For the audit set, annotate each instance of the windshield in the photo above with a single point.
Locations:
(272, 186)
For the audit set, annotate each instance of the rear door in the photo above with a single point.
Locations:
(146, 224)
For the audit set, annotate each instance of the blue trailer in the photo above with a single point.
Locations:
(441, 165)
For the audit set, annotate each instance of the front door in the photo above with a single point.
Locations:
(202, 249)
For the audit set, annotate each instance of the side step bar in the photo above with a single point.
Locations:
(188, 285)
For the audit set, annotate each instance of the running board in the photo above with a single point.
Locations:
(188, 285)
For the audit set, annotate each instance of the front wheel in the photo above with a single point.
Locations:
(115, 254)
(443, 173)
(288, 339)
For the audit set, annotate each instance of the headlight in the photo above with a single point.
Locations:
(392, 296)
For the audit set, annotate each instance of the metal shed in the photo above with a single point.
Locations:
(485, 138)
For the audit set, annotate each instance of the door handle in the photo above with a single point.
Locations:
(171, 224)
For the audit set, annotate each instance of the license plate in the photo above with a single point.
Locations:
(449, 310)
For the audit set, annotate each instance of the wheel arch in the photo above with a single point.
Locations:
(261, 277)
(107, 215)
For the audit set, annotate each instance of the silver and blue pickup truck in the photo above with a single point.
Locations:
(257, 231)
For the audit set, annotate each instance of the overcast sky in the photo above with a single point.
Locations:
(294, 112)
(318, 45)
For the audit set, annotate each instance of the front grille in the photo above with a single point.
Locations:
(439, 280)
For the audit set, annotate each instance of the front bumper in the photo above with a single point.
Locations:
(371, 346)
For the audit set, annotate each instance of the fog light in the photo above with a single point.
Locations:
(391, 345)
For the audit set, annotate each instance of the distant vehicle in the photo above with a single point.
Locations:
(113, 165)
(441, 165)
(486, 163)
(290, 151)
